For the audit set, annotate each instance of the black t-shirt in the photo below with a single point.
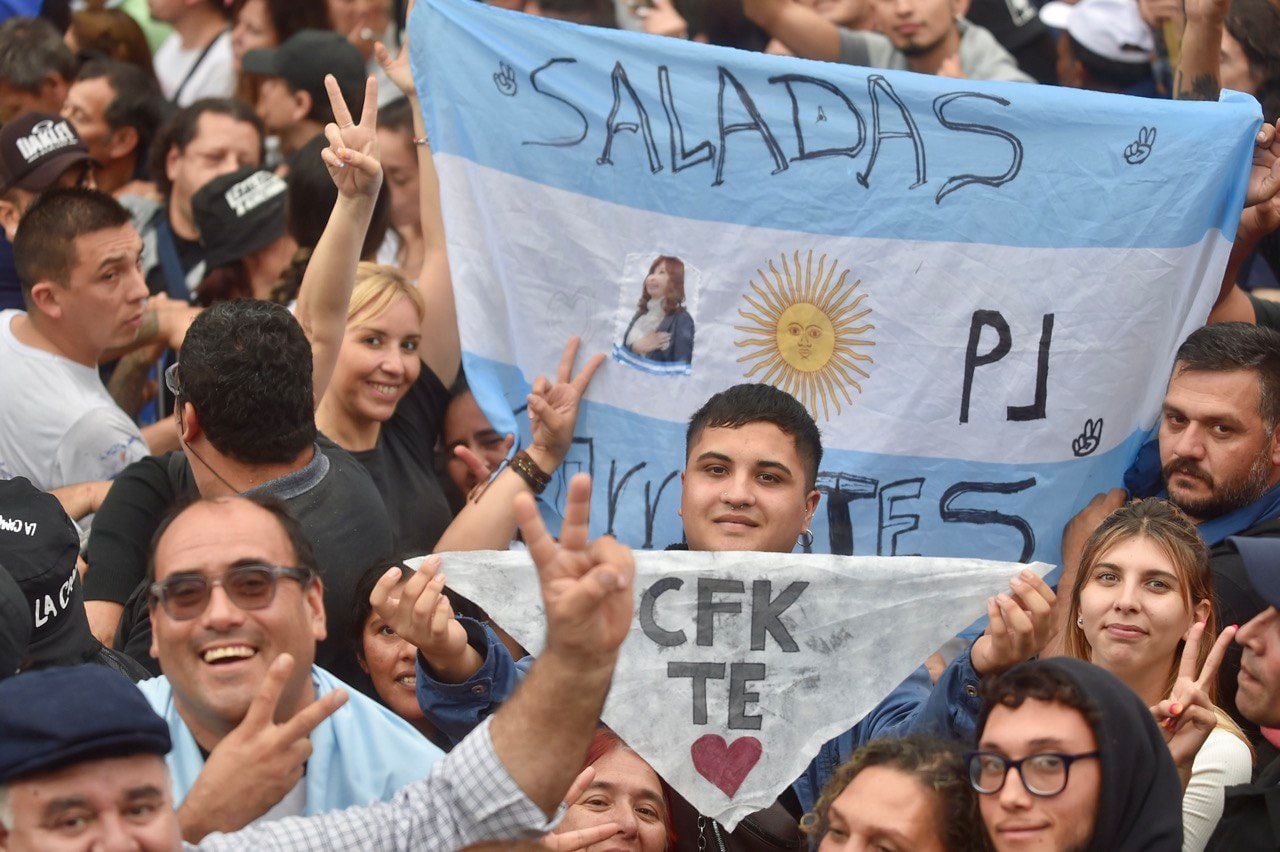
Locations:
(1248, 815)
(342, 515)
(402, 465)
(1266, 312)
(1237, 603)
(190, 254)
(1014, 23)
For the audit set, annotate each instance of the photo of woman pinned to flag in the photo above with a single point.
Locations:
(662, 329)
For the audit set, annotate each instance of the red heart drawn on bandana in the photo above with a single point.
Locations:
(725, 765)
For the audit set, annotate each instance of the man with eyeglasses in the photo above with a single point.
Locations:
(1069, 758)
(232, 586)
(80, 750)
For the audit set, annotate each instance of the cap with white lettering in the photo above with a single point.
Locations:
(40, 546)
(239, 213)
(36, 149)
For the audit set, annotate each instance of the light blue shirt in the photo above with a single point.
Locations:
(363, 753)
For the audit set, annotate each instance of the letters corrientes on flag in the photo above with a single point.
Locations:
(739, 666)
(975, 288)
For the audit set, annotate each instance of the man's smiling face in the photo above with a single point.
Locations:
(745, 489)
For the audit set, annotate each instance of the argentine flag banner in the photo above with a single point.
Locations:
(975, 288)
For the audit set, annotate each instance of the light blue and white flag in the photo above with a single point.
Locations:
(975, 288)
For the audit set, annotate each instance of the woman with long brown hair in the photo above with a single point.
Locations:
(1144, 583)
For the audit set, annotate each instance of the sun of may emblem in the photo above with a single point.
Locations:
(805, 336)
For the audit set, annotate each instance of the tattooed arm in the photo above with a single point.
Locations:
(1197, 76)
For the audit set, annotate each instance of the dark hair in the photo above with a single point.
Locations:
(231, 280)
(1109, 72)
(136, 101)
(935, 764)
(30, 48)
(1255, 25)
(364, 588)
(303, 553)
(245, 365)
(44, 249)
(289, 16)
(592, 13)
(1042, 683)
(397, 116)
(113, 35)
(311, 199)
(181, 129)
(743, 404)
(1230, 346)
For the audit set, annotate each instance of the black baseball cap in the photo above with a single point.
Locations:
(35, 149)
(15, 625)
(40, 544)
(1261, 557)
(306, 57)
(239, 213)
(62, 716)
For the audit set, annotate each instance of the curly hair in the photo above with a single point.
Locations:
(936, 765)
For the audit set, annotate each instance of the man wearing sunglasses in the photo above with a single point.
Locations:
(233, 585)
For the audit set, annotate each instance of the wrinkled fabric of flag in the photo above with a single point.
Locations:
(739, 666)
(975, 288)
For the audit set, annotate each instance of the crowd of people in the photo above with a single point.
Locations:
(232, 406)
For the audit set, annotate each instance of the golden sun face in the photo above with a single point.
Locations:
(804, 333)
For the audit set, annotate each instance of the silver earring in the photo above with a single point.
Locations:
(1080, 621)
(806, 539)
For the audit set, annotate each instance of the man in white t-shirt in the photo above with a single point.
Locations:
(195, 61)
(77, 257)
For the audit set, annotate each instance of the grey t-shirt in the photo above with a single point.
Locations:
(981, 56)
(333, 498)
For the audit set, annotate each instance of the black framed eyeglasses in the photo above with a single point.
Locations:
(171, 379)
(252, 586)
(1042, 774)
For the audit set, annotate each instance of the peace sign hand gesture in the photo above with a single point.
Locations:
(586, 587)
(352, 155)
(1187, 717)
(256, 764)
(553, 408)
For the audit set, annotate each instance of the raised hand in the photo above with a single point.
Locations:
(586, 587)
(1186, 717)
(397, 68)
(1264, 173)
(423, 616)
(553, 408)
(256, 764)
(1080, 527)
(352, 155)
(480, 469)
(662, 18)
(1020, 624)
(573, 841)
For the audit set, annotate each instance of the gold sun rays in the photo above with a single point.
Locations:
(804, 332)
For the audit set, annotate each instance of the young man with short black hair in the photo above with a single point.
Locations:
(77, 257)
